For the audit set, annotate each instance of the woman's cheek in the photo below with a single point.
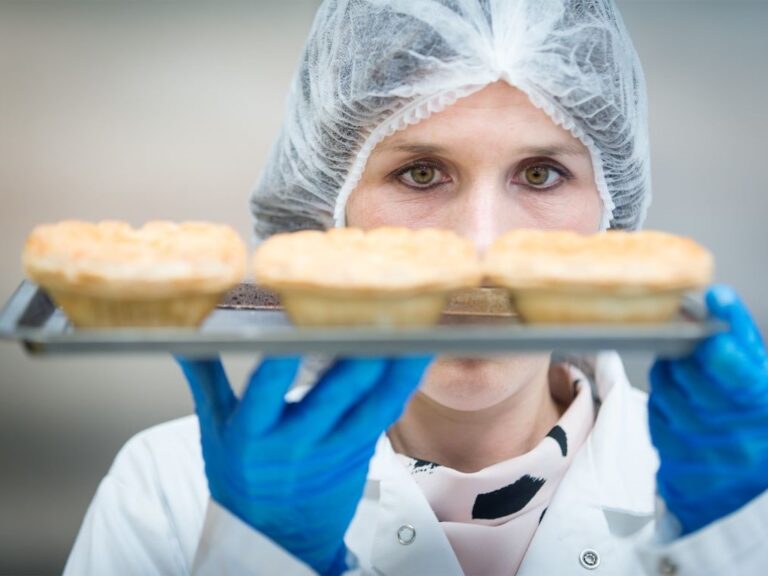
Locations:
(576, 210)
(370, 208)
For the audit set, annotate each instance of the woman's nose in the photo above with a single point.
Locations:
(483, 216)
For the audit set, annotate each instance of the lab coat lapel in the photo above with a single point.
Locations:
(401, 503)
(608, 493)
(625, 461)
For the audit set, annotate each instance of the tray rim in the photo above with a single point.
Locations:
(672, 338)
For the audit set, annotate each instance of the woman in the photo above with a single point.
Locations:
(478, 116)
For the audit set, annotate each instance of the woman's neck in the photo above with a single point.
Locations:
(469, 441)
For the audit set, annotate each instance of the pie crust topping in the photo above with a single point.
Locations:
(615, 276)
(111, 275)
(381, 260)
(613, 260)
(113, 260)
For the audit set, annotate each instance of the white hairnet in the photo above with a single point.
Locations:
(372, 67)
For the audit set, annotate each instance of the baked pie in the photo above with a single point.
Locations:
(613, 276)
(110, 274)
(385, 276)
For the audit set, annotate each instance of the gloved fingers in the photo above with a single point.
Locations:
(695, 513)
(263, 401)
(670, 399)
(324, 468)
(725, 304)
(729, 367)
(665, 414)
(695, 385)
(711, 403)
(706, 447)
(340, 388)
(691, 508)
(698, 479)
(687, 483)
(213, 396)
(660, 377)
(676, 445)
(662, 420)
(385, 403)
(685, 433)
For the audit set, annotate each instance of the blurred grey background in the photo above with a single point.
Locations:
(143, 110)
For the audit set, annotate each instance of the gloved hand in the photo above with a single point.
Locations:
(708, 415)
(296, 471)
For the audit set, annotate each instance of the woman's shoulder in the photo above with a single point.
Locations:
(152, 500)
(184, 431)
(165, 455)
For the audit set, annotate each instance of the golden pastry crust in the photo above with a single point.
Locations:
(113, 260)
(111, 275)
(381, 260)
(614, 260)
(383, 277)
(616, 276)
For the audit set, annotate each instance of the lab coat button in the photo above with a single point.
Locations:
(667, 567)
(406, 534)
(589, 558)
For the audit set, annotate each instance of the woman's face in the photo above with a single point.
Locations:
(489, 163)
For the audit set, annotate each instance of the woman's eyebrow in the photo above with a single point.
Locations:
(417, 148)
(559, 149)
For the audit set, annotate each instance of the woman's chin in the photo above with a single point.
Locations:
(472, 384)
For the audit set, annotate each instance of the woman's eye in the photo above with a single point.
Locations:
(541, 176)
(421, 176)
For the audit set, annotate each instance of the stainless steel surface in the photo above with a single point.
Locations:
(31, 318)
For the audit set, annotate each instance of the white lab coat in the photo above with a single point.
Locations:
(152, 513)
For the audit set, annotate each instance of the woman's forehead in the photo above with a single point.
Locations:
(497, 115)
(496, 95)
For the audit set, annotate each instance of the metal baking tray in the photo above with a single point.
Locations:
(250, 319)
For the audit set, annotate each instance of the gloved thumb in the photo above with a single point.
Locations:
(725, 304)
(213, 396)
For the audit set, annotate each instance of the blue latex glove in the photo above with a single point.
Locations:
(296, 471)
(708, 415)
